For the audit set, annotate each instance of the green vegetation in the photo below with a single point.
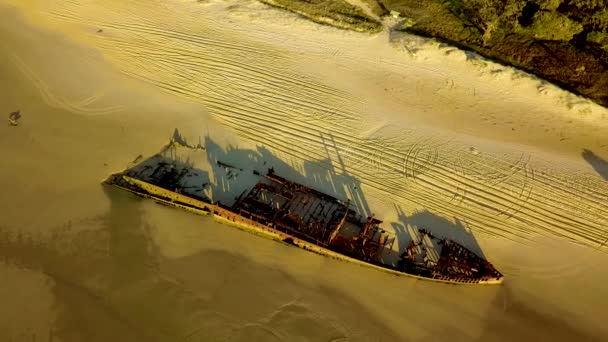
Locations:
(336, 13)
(564, 41)
(600, 38)
(553, 26)
(376, 7)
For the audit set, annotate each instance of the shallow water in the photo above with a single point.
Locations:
(147, 272)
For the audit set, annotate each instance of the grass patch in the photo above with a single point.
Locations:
(562, 41)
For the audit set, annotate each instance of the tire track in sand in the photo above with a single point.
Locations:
(533, 216)
(254, 91)
(82, 106)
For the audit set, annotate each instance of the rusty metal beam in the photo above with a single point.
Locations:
(308, 207)
(296, 232)
(339, 226)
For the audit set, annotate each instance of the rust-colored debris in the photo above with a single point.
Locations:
(311, 216)
(307, 217)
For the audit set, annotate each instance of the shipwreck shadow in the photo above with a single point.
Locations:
(225, 173)
(222, 174)
(233, 171)
(599, 164)
(173, 171)
(178, 138)
(331, 176)
(442, 228)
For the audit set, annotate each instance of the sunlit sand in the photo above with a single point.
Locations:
(430, 136)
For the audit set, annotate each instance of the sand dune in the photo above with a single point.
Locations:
(419, 133)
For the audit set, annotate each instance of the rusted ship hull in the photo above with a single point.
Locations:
(268, 211)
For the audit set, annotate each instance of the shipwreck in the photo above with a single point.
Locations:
(283, 210)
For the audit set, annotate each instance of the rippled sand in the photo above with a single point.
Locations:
(431, 136)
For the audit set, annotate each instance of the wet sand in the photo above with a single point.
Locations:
(430, 139)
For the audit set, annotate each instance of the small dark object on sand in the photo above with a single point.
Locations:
(139, 157)
(289, 241)
(99, 31)
(14, 117)
(228, 166)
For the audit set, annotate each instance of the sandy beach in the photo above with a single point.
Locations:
(419, 133)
